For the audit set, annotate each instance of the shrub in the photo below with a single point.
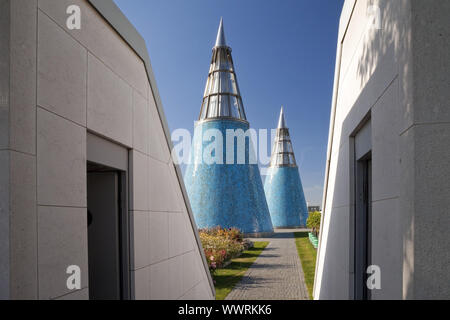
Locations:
(313, 222)
(220, 245)
(230, 233)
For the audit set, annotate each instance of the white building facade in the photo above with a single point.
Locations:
(86, 176)
(387, 188)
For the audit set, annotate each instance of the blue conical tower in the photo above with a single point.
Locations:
(283, 186)
(223, 183)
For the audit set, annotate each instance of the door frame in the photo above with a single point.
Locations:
(360, 152)
(109, 154)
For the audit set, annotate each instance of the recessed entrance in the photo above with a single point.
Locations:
(103, 232)
(108, 227)
(361, 222)
(363, 226)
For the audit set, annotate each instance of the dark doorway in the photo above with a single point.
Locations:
(107, 241)
(363, 226)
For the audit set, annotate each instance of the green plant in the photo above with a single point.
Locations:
(230, 233)
(220, 245)
(313, 222)
(307, 255)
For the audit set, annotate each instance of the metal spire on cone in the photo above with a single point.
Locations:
(222, 98)
(283, 153)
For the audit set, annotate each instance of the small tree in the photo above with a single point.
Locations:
(313, 222)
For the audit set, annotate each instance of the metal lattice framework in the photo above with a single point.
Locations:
(222, 98)
(283, 153)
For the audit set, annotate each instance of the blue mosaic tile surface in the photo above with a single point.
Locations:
(285, 197)
(226, 195)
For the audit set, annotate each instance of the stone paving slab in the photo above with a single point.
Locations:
(276, 274)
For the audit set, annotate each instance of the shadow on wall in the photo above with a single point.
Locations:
(392, 40)
(394, 35)
(334, 268)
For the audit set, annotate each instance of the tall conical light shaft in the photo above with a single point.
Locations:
(283, 186)
(222, 98)
(222, 181)
(283, 153)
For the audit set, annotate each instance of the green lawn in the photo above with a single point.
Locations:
(307, 255)
(226, 278)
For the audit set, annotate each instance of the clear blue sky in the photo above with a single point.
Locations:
(284, 53)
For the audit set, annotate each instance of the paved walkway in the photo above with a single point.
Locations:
(276, 274)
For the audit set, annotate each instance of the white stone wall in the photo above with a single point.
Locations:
(425, 268)
(395, 75)
(372, 73)
(63, 84)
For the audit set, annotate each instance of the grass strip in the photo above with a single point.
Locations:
(226, 278)
(307, 255)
